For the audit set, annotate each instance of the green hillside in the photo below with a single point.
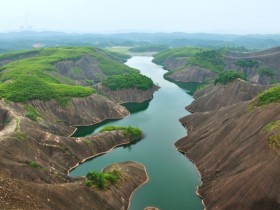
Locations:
(28, 76)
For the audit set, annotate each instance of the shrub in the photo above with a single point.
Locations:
(101, 180)
(33, 164)
(271, 95)
(31, 112)
(266, 71)
(210, 59)
(274, 141)
(226, 77)
(247, 63)
(125, 81)
(129, 131)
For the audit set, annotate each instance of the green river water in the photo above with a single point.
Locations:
(172, 177)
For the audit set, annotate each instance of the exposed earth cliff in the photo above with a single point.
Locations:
(127, 95)
(213, 97)
(232, 148)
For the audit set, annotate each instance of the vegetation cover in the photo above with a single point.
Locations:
(271, 95)
(210, 59)
(274, 140)
(102, 180)
(226, 77)
(31, 112)
(247, 63)
(29, 77)
(266, 71)
(129, 131)
(130, 80)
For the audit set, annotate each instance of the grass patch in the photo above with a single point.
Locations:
(201, 87)
(102, 180)
(266, 71)
(271, 95)
(20, 135)
(31, 112)
(129, 131)
(34, 164)
(125, 81)
(272, 126)
(274, 141)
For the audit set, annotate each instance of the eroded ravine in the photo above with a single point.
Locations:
(172, 178)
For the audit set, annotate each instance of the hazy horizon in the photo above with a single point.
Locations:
(107, 17)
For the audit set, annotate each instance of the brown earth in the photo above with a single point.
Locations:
(45, 142)
(239, 169)
(213, 97)
(269, 58)
(19, 194)
(127, 95)
(192, 74)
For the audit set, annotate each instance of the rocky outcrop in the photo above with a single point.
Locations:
(127, 95)
(213, 97)
(46, 184)
(192, 74)
(174, 63)
(229, 145)
(77, 111)
(239, 170)
(19, 194)
(82, 70)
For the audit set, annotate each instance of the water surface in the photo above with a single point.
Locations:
(172, 177)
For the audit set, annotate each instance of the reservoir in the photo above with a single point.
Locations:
(172, 177)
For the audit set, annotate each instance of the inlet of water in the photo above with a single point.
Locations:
(172, 177)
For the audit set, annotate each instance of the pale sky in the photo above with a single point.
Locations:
(110, 16)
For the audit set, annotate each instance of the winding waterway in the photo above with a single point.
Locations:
(172, 177)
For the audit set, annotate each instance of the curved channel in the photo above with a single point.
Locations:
(173, 179)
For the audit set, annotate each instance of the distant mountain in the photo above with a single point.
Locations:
(26, 40)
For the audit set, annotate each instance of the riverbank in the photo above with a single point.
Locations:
(157, 145)
(230, 148)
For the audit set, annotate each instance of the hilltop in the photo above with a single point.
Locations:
(203, 65)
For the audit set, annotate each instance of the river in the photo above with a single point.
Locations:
(172, 177)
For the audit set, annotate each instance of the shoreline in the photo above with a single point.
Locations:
(96, 155)
(201, 183)
(87, 125)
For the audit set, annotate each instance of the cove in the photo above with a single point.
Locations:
(172, 177)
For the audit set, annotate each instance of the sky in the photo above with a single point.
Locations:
(114, 16)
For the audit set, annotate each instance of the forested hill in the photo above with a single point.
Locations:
(63, 72)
